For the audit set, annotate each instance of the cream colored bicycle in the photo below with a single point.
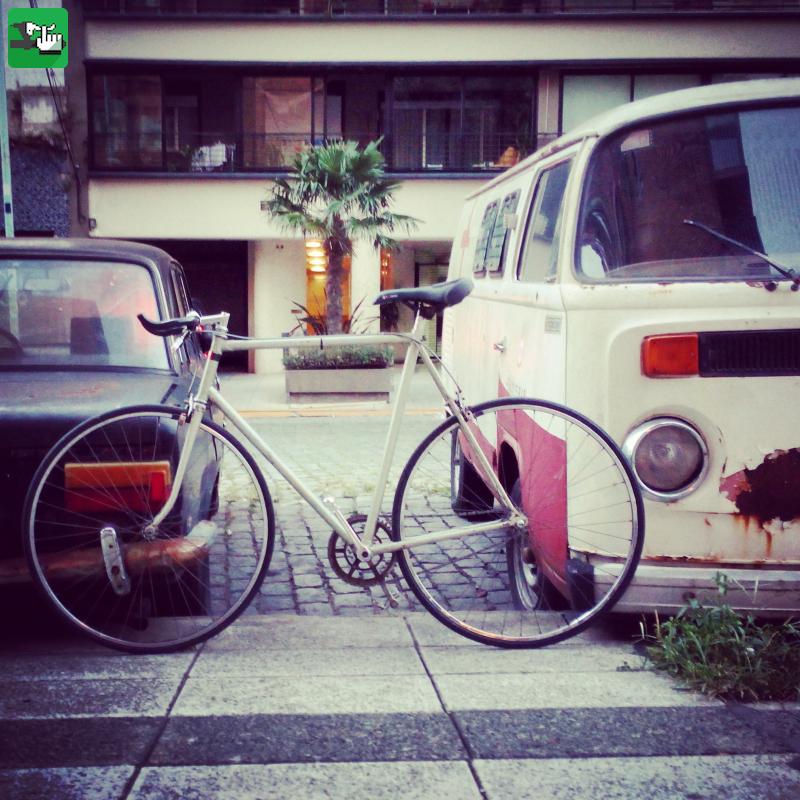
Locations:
(515, 522)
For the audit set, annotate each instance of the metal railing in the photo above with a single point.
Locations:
(383, 8)
(220, 152)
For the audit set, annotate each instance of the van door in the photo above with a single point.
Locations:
(533, 362)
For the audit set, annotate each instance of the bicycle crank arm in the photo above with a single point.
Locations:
(347, 532)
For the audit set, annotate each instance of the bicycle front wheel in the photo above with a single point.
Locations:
(533, 583)
(93, 551)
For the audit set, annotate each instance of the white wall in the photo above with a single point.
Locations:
(202, 208)
(397, 41)
(365, 283)
(278, 278)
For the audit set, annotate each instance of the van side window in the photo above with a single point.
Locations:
(543, 230)
(487, 224)
(497, 242)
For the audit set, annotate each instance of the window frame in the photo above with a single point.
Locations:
(488, 219)
(509, 206)
(548, 275)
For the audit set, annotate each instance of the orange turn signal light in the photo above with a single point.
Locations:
(670, 355)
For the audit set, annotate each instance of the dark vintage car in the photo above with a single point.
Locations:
(70, 348)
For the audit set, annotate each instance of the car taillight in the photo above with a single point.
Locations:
(670, 355)
(117, 486)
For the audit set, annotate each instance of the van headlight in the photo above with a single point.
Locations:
(668, 456)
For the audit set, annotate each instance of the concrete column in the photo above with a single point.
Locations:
(365, 283)
(77, 120)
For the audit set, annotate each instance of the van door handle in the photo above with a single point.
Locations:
(500, 346)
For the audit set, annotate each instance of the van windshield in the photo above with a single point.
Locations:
(736, 172)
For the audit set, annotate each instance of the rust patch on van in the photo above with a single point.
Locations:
(769, 491)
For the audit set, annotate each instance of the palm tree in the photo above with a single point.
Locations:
(338, 192)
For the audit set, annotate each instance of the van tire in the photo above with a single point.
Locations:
(530, 588)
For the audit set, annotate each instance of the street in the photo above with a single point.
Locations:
(338, 457)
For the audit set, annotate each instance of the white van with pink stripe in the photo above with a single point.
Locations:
(644, 270)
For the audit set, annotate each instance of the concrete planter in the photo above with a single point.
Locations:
(324, 385)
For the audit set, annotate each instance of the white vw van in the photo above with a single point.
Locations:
(644, 270)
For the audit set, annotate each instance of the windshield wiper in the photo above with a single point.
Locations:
(784, 270)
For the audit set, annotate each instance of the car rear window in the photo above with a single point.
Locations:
(57, 313)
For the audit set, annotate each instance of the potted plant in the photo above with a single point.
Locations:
(327, 374)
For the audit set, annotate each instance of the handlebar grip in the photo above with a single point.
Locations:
(170, 327)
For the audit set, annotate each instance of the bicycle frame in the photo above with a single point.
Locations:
(325, 507)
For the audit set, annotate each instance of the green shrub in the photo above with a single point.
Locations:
(347, 357)
(716, 650)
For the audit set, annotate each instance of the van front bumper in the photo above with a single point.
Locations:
(667, 587)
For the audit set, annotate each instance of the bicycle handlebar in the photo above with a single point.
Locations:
(170, 327)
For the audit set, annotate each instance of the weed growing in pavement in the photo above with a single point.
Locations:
(716, 650)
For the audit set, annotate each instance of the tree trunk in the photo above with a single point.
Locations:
(333, 287)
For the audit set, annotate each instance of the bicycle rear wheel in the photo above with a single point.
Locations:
(529, 585)
(106, 572)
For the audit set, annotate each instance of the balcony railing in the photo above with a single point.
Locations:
(226, 152)
(391, 8)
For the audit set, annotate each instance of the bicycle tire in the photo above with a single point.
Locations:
(585, 524)
(138, 590)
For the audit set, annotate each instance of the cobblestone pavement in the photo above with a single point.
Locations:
(338, 456)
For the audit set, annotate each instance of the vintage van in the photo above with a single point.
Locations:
(644, 270)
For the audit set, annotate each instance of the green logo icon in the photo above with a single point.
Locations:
(37, 37)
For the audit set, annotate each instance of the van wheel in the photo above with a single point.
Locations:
(470, 498)
(530, 589)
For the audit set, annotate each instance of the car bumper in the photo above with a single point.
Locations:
(666, 588)
(160, 555)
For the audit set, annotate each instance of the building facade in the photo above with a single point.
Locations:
(183, 111)
(41, 172)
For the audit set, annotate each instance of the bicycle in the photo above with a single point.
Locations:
(515, 522)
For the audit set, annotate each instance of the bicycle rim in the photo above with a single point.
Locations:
(533, 584)
(126, 585)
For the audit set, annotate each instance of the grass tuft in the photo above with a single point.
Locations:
(716, 650)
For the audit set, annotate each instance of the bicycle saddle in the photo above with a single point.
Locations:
(430, 300)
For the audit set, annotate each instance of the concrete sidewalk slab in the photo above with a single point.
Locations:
(734, 778)
(414, 780)
(291, 706)
(304, 694)
(534, 689)
(319, 662)
(52, 699)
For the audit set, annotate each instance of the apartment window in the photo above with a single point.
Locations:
(584, 96)
(127, 117)
(284, 114)
(426, 121)
(277, 119)
(461, 123)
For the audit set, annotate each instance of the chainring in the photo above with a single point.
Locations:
(346, 563)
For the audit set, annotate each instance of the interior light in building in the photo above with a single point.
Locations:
(316, 257)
